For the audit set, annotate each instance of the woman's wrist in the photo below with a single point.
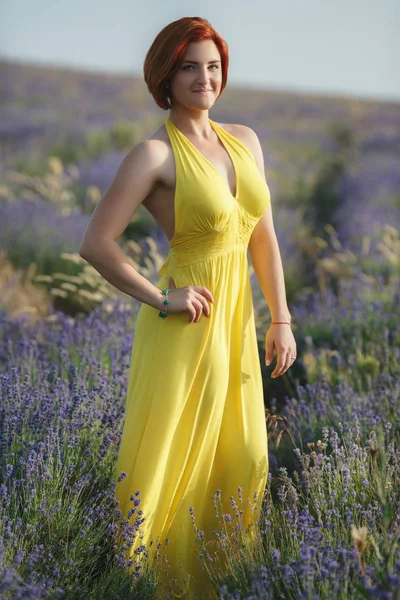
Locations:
(281, 317)
(161, 301)
(164, 310)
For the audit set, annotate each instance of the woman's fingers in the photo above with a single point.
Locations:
(205, 306)
(284, 361)
(201, 289)
(198, 310)
(195, 300)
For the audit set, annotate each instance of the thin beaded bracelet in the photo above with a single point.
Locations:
(163, 313)
(280, 323)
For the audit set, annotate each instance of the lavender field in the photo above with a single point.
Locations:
(330, 516)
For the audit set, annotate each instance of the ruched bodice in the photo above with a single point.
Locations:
(209, 221)
(195, 420)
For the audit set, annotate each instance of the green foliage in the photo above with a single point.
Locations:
(353, 299)
(34, 165)
(123, 135)
(324, 199)
(67, 154)
(86, 289)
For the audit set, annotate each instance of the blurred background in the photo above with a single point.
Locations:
(317, 81)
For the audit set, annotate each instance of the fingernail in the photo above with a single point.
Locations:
(267, 362)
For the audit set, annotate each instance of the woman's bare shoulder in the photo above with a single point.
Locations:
(250, 139)
(242, 132)
(152, 151)
(246, 135)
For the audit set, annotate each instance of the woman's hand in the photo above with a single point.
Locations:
(280, 337)
(191, 299)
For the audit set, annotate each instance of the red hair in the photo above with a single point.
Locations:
(168, 49)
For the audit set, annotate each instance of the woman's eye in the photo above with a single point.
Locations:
(190, 66)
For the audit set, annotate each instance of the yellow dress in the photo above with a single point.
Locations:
(195, 420)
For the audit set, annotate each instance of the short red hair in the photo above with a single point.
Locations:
(168, 49)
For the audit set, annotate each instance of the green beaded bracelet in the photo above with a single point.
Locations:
(163, 313)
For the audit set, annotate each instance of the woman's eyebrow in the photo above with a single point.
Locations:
(196, 63)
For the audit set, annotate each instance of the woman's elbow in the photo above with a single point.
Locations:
(88, 242)
(84, 251)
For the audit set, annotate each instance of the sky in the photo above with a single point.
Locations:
(345, 47)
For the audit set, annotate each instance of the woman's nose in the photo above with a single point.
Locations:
(203, 76)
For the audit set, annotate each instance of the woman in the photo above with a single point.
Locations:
(195, 420)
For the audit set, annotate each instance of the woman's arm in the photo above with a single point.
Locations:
(267, 263)
(135, 178)
(263, 246)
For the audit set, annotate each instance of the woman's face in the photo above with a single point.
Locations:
(200, 69)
